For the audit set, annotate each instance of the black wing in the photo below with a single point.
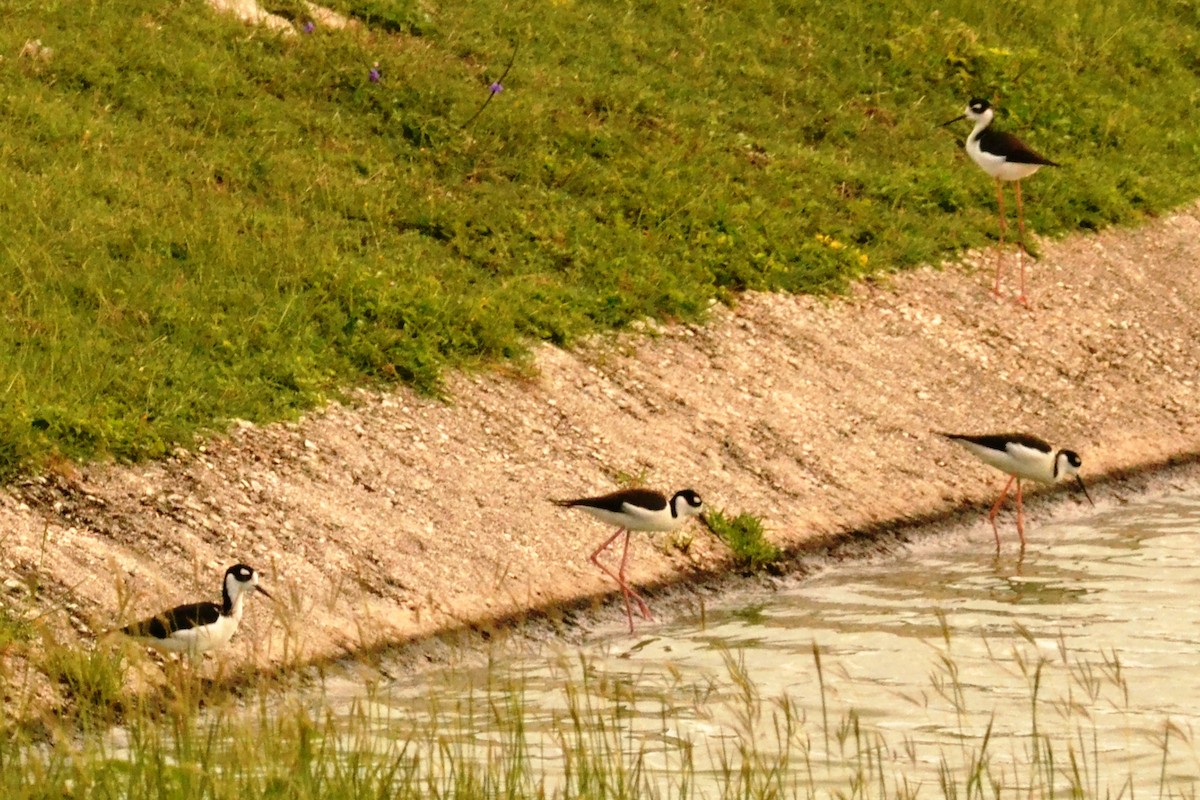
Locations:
(1013, 149)
(1000, 441)
(180, 618)
(615, 502)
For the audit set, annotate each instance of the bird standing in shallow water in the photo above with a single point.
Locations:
(635, 510)
(1005, 158)
(196, 628)
(1021, 456)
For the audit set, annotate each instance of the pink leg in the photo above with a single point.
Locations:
(1021, 252)
(595, 559)
(1020, 517)
(1000, 246)
(626, 592)
(629, 592)
(996, 509)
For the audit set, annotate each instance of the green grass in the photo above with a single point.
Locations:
(203, 221)
(13, 629)
(575, 729)
(745, 536)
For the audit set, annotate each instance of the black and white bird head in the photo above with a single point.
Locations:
(1066, 466)
(238, 579)
(978, 110)
(686, 503)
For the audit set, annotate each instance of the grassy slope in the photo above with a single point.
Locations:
(203, 221)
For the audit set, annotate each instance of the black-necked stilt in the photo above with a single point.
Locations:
(196, 628)
(636, 510)
(1021, 456)
(1005, 158)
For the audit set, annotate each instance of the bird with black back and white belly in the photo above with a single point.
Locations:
(197, 628)
(636, 510)
(1022, 457)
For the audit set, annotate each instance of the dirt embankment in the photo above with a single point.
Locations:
(402, 515)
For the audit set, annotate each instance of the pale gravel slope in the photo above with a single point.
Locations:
(403, 515)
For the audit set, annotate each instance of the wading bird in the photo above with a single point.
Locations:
(1021, 456)
(636, 510)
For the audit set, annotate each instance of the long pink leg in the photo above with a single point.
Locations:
(621, 581)
(996, 509)
(595, 559)
(1020, 517)
(629, 592)
(1000, 246)
(1021, 252)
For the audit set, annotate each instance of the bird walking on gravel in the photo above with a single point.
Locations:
(196, 628)
(1005, 158)
(1022, 457)
(635, 510)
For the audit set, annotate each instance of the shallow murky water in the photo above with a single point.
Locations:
(1076, 665)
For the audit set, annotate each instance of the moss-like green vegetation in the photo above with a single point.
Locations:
(744, 534)
(203, 221)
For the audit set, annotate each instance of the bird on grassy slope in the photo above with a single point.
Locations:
(196, 628)
(1005, 158)
(1021, 457)
(635, 510)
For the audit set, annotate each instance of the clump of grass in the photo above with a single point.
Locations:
(13, 629)
(745, 536)
(91, 679)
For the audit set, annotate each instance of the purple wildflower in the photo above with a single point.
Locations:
(374, 73)
(309, 26)
(496, 87)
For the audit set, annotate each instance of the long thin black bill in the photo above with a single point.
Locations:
(952, 121)
(1079, 480)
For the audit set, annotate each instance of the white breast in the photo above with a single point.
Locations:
(210, 637)
(1027, 463)
(997, 166)
(637, 519)
(199, 640)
